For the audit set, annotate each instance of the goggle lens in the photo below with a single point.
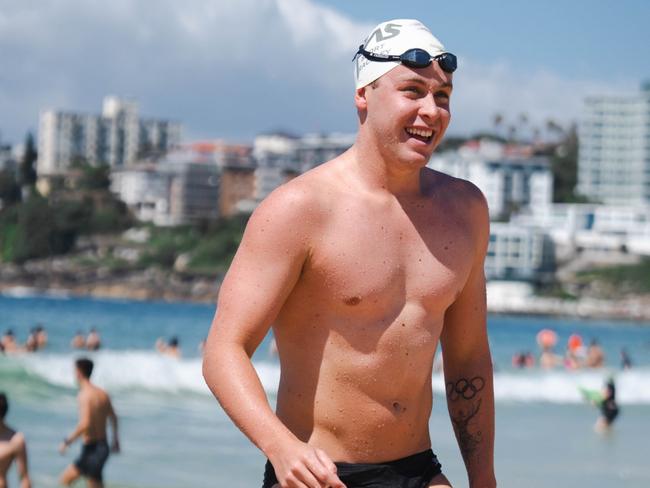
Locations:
(419, 58)
(448, 62)
(416, 58)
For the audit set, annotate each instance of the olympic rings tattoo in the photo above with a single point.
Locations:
(464, 388)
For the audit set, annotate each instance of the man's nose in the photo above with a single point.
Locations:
(429, 108)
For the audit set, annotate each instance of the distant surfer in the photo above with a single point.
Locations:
(12, 448)
(605, 400)
(608, 408)
(95, 411)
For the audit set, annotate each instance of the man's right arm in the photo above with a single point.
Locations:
(268, 263)
(82, 425)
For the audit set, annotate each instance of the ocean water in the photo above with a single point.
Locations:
(174, 434)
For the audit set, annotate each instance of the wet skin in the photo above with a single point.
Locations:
(357, 335)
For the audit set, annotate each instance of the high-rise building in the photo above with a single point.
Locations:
(118, 137)
(614, 151)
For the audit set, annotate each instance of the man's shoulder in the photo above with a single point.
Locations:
(304, 195)
(99, 392)
(92, 392)
(452, 189)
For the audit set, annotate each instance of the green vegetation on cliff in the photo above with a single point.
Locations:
(39, 227)
(622, 279)
(208, 247)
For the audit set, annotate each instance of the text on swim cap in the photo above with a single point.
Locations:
(390, 30)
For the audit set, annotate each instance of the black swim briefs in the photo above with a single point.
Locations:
(90, 462)
(414, 471)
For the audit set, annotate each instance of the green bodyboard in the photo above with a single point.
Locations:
(590, 395)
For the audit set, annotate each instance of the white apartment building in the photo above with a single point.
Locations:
(510, 177)
(519, 253)
(280, 156)
(315, 149)
(614, 151)
(178, 189)
(117, 137)
(145, 190)
(602, 228)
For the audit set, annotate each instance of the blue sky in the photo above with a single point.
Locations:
(578, 38)
(233, 68)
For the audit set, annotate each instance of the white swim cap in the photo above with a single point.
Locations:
(393, 37)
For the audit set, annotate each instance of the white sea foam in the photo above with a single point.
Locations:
(30, 292)
(148, 371)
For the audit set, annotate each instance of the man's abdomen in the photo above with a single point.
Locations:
(361, 407)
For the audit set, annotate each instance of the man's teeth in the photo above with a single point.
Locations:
(420, 132)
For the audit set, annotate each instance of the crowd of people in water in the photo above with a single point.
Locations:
(576, 355)
(37, 340)
(92, 341)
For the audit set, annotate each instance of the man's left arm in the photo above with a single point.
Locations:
(468, 363)
(112, 417)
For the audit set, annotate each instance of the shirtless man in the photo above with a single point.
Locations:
(362, 265)
(12, 447)
(95, 409)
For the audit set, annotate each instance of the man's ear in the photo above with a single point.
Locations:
(360, 100)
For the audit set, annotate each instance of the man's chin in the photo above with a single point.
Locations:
(417, 158)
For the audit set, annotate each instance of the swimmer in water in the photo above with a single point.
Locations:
(171, 348)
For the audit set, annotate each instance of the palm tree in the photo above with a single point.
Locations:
(497, 120)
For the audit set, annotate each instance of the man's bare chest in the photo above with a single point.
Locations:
(382, 259)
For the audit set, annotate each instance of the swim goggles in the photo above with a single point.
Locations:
(413, 58)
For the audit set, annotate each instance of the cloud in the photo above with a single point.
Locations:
(223, 68)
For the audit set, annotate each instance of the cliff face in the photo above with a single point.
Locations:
(78, 276)
(62, 276)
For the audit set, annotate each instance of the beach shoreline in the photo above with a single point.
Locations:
(52, 278)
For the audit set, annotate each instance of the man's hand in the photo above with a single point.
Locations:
(115, 447)
(301, 465)
(62, 447)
